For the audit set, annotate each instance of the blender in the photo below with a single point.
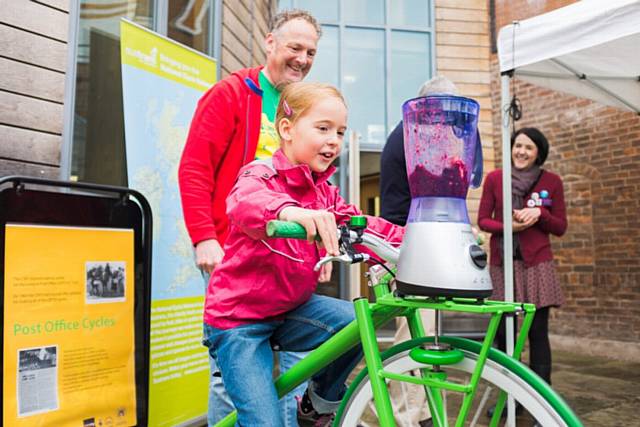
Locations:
(439, 255)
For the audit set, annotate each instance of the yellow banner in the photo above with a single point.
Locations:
(69, 327)
(158, 79)
(153, 53)
(179, 362)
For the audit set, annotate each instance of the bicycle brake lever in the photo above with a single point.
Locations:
(344, 258)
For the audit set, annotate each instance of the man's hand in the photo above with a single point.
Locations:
(325, 272)
(318, 222)
(209, 254)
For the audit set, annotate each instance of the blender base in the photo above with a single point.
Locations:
(437, 259)
(426, 291)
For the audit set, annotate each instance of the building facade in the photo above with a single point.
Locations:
(59, 82)
(33, 64)
(60, 90)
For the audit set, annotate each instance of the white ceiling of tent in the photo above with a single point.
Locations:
(590, 49)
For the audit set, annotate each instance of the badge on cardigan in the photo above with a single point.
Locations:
(539, 199)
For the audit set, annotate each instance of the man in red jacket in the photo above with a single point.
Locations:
(233, 125)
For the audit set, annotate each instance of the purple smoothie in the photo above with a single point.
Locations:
(453, 182)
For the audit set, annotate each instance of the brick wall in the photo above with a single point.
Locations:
(508, 11)
(596, 151)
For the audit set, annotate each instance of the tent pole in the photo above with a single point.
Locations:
(508, 228)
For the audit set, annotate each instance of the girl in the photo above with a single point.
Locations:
(262, 294)
(538, 212)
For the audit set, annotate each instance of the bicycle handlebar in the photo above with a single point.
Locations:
(293, 230)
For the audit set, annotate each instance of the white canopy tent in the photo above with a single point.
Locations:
(589, 49)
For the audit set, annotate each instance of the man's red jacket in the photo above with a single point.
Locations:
(223, 137)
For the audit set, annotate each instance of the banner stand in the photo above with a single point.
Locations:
(75, 264)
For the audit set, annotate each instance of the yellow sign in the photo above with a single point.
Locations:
(153, 53)
(69, 327)
(179, 372)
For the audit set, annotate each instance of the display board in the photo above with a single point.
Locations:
(75, 279)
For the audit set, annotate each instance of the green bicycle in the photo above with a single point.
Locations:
(452, 371)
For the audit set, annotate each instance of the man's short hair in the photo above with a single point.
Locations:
(439, 85)
(288, 15)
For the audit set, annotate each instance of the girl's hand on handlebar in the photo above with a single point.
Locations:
(318, 222)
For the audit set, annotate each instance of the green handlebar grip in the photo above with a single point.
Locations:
(291, 230)
(358, 221)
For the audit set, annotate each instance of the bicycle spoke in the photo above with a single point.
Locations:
(407, 414)
(480, 409)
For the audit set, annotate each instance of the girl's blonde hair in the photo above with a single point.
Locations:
(297, 98)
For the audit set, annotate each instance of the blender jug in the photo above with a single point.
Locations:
(439, 255)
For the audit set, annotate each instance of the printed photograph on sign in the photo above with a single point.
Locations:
(105, 281)
(37, 380)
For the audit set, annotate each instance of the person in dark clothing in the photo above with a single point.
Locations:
(395, 197)
(394, 185)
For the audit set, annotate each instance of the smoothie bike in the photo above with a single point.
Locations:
(441, 267)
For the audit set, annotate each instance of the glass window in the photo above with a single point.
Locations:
(98, 133)
(368, 12)
(414, 13)
(377, 63)
(363, 82)
(323, 11)
(409, 68)
(189, 23)
(325, 65)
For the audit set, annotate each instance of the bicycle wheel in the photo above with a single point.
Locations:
(501, 372)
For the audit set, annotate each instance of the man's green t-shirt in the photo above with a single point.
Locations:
(268, 142)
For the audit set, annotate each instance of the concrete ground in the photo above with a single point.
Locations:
(602, 392)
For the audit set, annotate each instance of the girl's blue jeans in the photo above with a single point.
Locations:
(219, 404)
(244, 356)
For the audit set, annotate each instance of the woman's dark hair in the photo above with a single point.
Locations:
(538, 138)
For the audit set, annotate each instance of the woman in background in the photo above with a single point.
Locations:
(538, 211)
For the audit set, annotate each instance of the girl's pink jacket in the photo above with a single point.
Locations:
(262, 278)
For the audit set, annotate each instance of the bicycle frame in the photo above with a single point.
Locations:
(370, 316)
